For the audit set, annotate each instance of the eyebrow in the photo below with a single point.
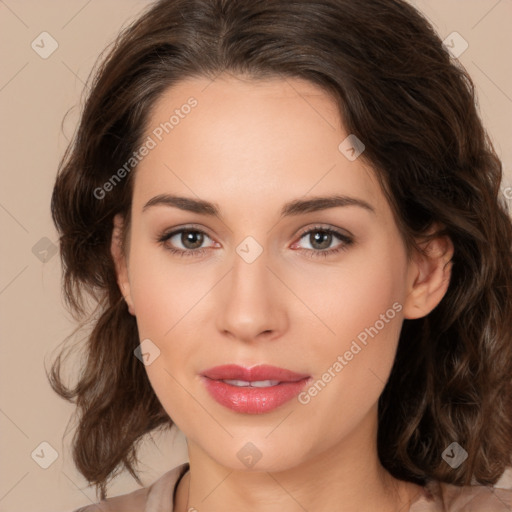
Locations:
(292, 208)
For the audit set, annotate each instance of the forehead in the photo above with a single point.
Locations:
(255, 138)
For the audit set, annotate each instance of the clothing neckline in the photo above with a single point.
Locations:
(183, 469)
(427, 493)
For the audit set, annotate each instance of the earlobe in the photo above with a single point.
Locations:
(429, 277)
(120, 262)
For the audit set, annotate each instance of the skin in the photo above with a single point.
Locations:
(251, 146)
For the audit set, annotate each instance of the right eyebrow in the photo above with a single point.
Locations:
(183, 203)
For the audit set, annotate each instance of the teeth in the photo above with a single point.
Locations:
(255, 384)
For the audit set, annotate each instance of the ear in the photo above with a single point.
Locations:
(120, 261)
(428, 277)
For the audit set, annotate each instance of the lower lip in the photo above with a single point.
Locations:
(252, 400)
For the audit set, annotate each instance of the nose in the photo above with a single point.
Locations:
(251, 303)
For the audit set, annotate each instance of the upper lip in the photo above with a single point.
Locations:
(255, 373)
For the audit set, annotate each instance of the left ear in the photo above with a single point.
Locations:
(428, 277)
(120, 262)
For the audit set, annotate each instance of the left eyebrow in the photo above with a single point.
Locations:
(292, 208)
(315, 204)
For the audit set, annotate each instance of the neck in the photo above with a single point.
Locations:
(349, 474)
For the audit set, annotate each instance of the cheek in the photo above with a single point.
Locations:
(362, 307)
(168, 298)
(352, 297)
(163, 290)
(164, 296)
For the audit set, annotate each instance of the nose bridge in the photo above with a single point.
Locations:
(249, 277)
(250, 304)
(250, 255)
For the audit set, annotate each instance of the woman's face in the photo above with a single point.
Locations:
(267, 287)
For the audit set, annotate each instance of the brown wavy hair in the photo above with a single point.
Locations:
(414, 107)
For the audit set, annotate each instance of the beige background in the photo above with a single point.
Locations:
(35, 94)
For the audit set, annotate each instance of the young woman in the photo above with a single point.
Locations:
(290, 217)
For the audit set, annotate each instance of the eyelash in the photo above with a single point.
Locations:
(345, 239)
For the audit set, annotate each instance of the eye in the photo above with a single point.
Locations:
(190, 238)
(320, 238)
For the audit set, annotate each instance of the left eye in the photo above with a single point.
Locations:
(324, 237)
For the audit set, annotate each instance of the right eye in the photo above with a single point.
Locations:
(185, 236)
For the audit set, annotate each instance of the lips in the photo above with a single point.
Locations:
(255, 390)
(255, 373)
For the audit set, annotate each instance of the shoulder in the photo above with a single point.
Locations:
(440, 496)
(155, 498)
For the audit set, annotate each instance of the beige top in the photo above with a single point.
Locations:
(436, 497)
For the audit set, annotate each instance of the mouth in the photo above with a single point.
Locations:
(254, 390)
(255, 374)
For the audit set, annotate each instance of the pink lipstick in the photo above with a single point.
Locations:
(254, 390)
